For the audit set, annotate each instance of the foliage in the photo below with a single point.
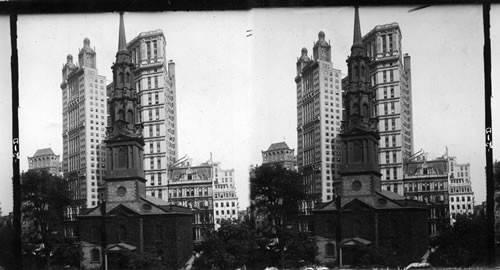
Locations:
(148, 259)
(275, 193)
(230, 247)
(462, 244)
(44, 197)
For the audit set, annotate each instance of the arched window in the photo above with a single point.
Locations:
(330, 250)
(95, 234)
(120, 77)
(127, 77)
(122, 233)
(356, 71)
(130, 116)
(365, 110)
(122, 158)
(355, 108)
(95, 255)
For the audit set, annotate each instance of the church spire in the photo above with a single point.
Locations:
(357, 28)
(122, 41)
(357, 43)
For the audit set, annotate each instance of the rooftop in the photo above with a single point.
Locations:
(44, 152)
(278, 146)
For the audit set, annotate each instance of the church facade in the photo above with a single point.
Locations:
(126, 220)
(365, 221)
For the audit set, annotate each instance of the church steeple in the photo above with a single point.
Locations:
(124, 141)
(359, 135)
(122, 41)
(357, 29)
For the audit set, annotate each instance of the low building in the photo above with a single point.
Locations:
(192, 187)
(427, 181)
(45, 159)
(461, 194)
(225, 198)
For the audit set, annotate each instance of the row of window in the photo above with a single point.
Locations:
(233, 204)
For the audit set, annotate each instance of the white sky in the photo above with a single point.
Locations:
(236, 94)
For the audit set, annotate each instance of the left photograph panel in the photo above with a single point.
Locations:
(110, 107)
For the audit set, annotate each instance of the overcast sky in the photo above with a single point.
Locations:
(236, 93)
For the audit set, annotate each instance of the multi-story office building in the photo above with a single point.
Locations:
(155, 84)
(461, 194)
(192, 186)
(280, 153)
(390, 77)
(427, 181)
(225, 198)
(319, 115)
(45, 159)
(84, 122)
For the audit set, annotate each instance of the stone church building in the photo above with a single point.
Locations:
(127, 220)
(364, 220)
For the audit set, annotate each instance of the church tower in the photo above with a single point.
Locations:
(359, 136)
(124, 142)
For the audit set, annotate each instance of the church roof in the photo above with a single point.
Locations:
(382, 200)
(120, 247)
(145, 206)
(278, 146)
(44, 152)
(355, 241)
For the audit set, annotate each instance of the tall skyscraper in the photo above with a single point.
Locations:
(319, 112)
(155, 83)
(84, 120)
(390, 77)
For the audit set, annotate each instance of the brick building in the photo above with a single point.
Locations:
(127, 220)
(427, 181)
(192, 187)
(365, 215)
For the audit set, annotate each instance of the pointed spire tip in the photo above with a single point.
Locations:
(122, 41)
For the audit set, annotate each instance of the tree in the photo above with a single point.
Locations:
(44, 197)
(462, 244)
(276, 193)
(231, 246)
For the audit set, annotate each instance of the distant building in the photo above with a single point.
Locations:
(155, 85)
(127, 220)
(390, 78)
(427, 181)
(280, 153)
(365, 216)
(226, 204)
(192, 186)
(461, 194)
(45, 159)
